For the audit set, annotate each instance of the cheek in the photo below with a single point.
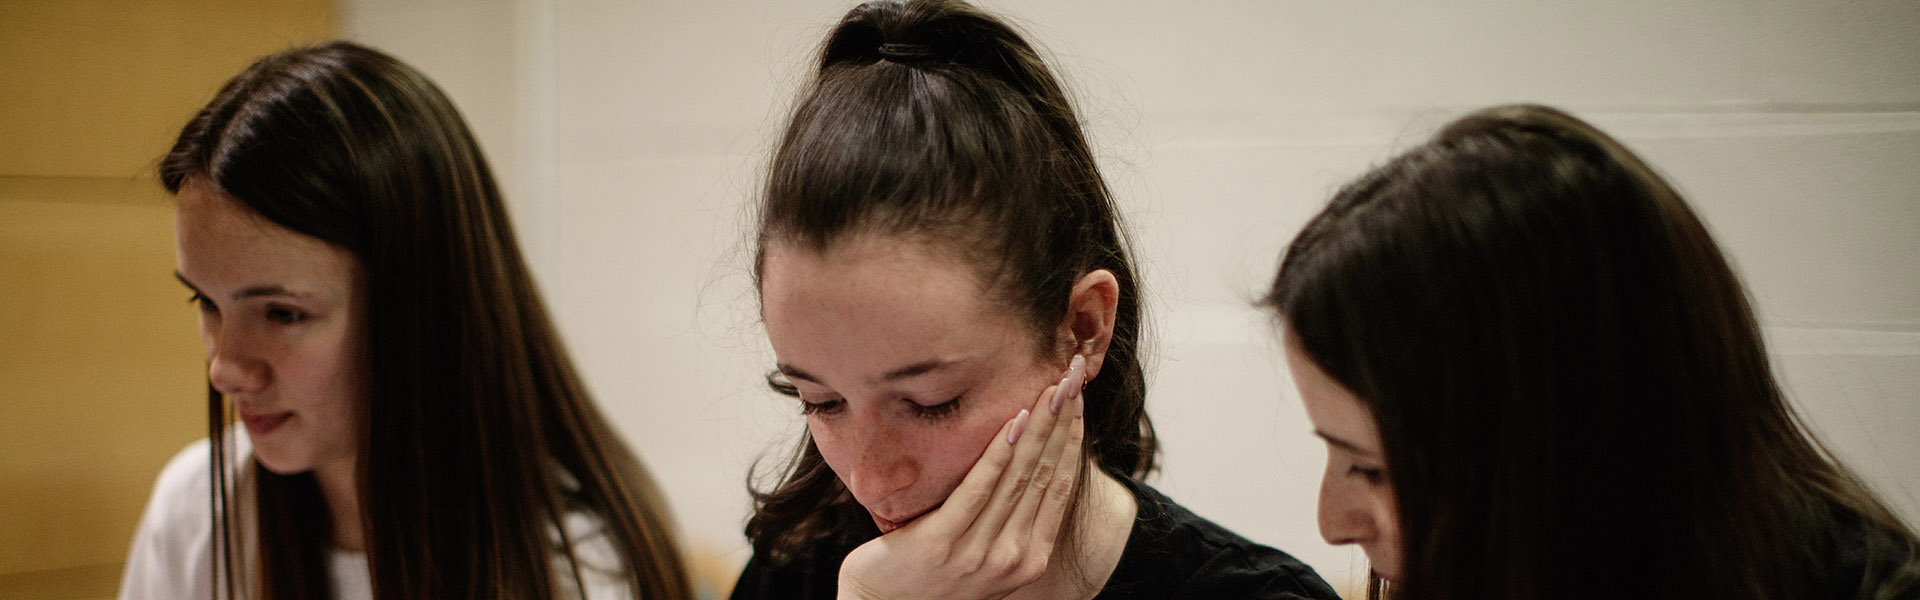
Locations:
(826, 438)
(331, 376)
(951, 451)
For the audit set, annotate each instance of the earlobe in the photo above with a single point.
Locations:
(1091, 310)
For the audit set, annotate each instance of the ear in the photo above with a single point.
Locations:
(1088, 326)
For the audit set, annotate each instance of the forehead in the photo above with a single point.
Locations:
(872, 302)
(219, 240)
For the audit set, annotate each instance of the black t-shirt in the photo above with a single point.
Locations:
(1170, 554)
(1868, 562)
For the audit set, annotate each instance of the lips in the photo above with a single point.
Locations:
(888, 525)
(264, 423)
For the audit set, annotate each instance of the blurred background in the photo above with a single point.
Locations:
(631, 135)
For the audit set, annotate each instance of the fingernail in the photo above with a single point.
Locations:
(1076, 374)
(1068, 385)
(1019, 423)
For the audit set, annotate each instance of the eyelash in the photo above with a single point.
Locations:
(937, 411)
(1373, 476)
(828, 407)
(932, 413)
(285, 316)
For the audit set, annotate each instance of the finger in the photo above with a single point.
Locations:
(1052, 461)
(1015, 477)
(962, 506)
(1065, 486)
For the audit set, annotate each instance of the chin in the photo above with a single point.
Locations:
(279, 465)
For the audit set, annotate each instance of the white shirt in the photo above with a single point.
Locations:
(172, 553)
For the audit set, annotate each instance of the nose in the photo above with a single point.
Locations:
(881, 467)
(1344, 517)
(231, 367)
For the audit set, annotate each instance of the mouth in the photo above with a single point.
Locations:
(259, 424)
(888, 525)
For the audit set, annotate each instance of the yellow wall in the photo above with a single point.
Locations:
(100, 370)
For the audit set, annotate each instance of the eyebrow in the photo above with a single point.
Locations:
(1343, 444)
(912, 370)
(252, 291)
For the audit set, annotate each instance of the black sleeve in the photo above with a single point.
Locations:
(1173, 554)
(1254, 573)
(805, 577)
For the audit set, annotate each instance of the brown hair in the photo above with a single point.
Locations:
(932, 118)
(477, 437)
(1571, 388)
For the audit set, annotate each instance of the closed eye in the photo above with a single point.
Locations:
(937, 411)
(827, 407)
(1373, 476)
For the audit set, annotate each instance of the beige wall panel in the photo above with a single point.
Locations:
(99, 87)
(101, 373)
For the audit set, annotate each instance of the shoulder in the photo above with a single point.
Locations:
(171, 554)
(1868, 561)
(1174, 553)
(812, 573)
(179, 508)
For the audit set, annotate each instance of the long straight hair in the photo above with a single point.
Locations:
(931, 118)
(476, 436)
(1571, 389)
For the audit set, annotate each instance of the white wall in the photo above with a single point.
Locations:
(632, 133)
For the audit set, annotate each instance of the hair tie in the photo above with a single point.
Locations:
(902, 53)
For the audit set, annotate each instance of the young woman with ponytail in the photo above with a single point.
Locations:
(936, 248)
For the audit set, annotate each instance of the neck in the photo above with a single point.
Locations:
(339, 488)
(1101, 524)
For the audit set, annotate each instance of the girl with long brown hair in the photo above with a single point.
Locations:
(1538, 377)
(411, 426)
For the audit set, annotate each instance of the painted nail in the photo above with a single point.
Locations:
(1069, 385)
(1019, 423)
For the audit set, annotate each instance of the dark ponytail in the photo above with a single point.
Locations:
(935, 119)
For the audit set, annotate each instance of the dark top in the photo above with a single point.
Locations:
(1868, 562)
(1170, 554)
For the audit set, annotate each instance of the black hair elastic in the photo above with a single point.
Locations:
(905, 52)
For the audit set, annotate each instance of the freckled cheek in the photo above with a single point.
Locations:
(952, 451)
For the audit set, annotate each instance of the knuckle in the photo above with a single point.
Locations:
(1042, 477)
(1032, 569)
(1005, 560)
(1063, 489)
(1021, 481)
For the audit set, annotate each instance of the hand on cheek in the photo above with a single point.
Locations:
(996, 531)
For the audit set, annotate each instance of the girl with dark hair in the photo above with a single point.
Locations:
(412, 426)
(1538, 377)
(936, 245)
